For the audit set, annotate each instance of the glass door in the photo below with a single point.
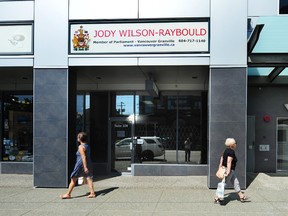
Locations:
(121, 145)
(282, 144)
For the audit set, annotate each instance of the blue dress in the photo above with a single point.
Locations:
(79, 168)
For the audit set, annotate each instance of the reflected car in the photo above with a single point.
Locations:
(151, 147)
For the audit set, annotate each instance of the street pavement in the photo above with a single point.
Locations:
(144, 196)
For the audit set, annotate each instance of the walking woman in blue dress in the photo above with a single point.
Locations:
(83, 167)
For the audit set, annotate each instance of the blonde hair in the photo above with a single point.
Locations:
(229, 142)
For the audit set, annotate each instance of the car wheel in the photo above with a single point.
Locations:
(147, 155)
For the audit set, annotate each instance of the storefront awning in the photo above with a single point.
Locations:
(268, 48)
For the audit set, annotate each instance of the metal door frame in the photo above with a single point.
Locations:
(250, 167)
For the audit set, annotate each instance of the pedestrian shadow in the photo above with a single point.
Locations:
(97, 193)
(105, 191)
(229, 197)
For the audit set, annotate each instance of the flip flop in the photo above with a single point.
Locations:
(65, 196)
(91, 196)
(216, 200)
(243, 199)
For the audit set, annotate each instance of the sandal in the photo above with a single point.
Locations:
(243, 199)
(217, 201)
(65, 196)
(91, 196)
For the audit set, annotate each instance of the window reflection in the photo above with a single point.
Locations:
(125, 105)
(83, 113)
(17, 121)
(170, 118)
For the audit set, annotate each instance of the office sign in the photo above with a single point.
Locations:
(16, 39)
(122, 38)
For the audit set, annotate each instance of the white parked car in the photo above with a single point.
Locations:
(151, 147)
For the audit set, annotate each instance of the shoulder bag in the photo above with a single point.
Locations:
(221, 172)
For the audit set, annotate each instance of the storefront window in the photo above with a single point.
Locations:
(171, 119)
(283, 7)
(17, 130)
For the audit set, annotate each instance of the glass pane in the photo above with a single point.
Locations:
(282, 144)
(189, 123)
(164, 123)
(283, 7)
(125, 105)
(121, 146)
(83, 111)
(80, 114)
(157, 120)
(18, 131)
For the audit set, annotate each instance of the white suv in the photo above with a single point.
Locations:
(151, 147)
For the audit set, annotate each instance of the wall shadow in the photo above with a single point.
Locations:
(250, 177)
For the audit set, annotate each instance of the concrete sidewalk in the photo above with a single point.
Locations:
(131, 195)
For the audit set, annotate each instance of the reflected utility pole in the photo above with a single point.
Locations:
(121, 110)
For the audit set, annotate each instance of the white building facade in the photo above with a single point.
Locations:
(131, 68)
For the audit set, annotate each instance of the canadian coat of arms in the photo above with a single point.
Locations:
(81, 39)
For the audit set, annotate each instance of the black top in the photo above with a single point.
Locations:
(229, 153)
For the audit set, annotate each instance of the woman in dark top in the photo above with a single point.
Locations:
(229, 161)
(83, 167)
